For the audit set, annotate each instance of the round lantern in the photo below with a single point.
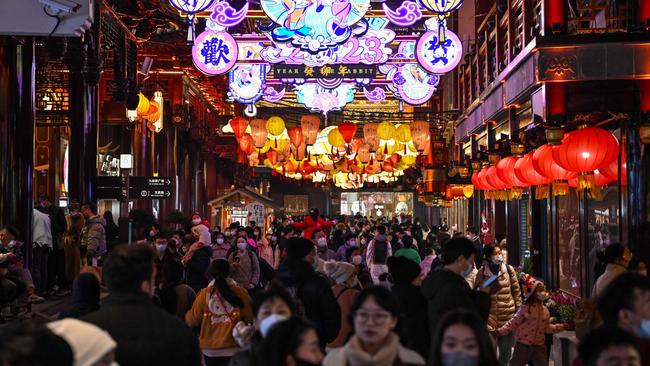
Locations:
(526, 173)
(309, 125)
(239, 125)
(403, 133)
(153, 114)
(280, 144)
(475, 180)
(610, 170)
(482, 179)
(420, 134)
(246, 143)
(545, 165)
(386, 131)
(143, 105)
(505, 170)
(600, 180)
(347, 130)
(586, 149)
(370, 135)
(335, 138)
(275, 126)
(468, 191)
(408, 160)
(295, 134)
(494, 180)
(258, 132)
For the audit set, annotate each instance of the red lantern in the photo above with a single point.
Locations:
(599, 178)
(493, 179)
(545, 165)
(239, 125)
(246, 143)
(387, 166)
(475, 181)
(526, 173)
(485, 185)
(295, 135)
(586, 149)
(347, 130)
(506, 172)
(272, 155)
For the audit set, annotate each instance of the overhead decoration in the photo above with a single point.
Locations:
(438, 55)
(226, 16)
(442, 8)
(191, 8)
(214, 53)
(246, 82)
(405, 15)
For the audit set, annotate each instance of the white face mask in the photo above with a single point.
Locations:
(322, 242)
(356, 260)
(274, 238)
(219, 241)
(242, 246)
(161, 248)
(152, 233)
(497, 259)
(269, 322)
(196, 221)
(11, 244)
(363, 241)
(352, 243)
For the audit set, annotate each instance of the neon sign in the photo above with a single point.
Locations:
(436, 56)
(214, 53)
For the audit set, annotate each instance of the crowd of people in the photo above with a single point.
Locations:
(313, 291)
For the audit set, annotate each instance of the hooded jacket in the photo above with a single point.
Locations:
(314, 291)
(506, 301)
(93, 236)
(446, 291)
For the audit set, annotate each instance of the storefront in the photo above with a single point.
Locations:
(377, 204)
(242, 205)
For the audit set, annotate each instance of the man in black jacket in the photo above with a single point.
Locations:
(310, 290)
(145, 334)
(446, 288)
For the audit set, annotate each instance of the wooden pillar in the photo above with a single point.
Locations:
(555, 14)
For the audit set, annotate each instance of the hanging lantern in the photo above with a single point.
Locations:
(347, 130)
(442, 8)
(482, 179)
(143, 105)
(475, 181)
(545, 165)
(272, 157)
(386, 131)
(280, 144)
(526, 173)
(468, 191)
(309, 125)
(157, 118)
(239, 125)
(258, 132)
(505, 169)
(420, 135)
(403, 133)
(295, 135)
(246, 143)
(364, 153)
(370, 135)
(191, 8)
(275, 126)
(611, 170)
(335, 138)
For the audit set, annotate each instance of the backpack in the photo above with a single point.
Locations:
(294, 292)
(380, 254)
(267, 273)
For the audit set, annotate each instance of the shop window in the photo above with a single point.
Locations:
(569, 243)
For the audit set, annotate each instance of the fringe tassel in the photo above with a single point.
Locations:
(560, 188)
(541, 192)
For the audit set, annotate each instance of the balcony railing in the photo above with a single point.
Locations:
(599, 16)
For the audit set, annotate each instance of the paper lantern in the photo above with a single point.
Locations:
(347, 130)
(526, 173)
(295, 135)
(143, 105)
(364, 153)
(545, 165)
(387, 166)
(611, 170)
(482, 179)
(475, 181)
(246, 143)
(386, 131)
(403, 133)
(279, 144)
(335, 138)
(408, 160)
(586, 149)
(275, 126)
(468, 191)
(600, 180)
(239, 125)
(420, 134)
(153, 108)
(493, 179)
(258, 132)
(309, 125)
(272, 156)
(505, 169)
(370, 135)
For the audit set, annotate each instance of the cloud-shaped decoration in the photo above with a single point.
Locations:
(273, 96)
(227, 16)
(364, 81)
(376, 95)
(407, 14)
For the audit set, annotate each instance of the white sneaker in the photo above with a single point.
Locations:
(35, 299)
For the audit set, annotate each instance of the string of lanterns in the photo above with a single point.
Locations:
(586, 159)
(335, 153)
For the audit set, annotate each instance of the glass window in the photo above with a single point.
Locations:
(569, 243)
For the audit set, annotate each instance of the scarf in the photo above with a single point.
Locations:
(386, 356)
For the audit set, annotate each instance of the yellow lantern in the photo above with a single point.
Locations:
(370, 135)
(403, 133)
(408, 160)
(258, 132)
(279, 144)
(275, 126)
(468, 191)
(335, 139)
(386, 131)
(143, 105)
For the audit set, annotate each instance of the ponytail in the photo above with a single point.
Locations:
(219, 270)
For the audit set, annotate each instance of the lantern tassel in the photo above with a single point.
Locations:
(587, 181)
(276, 142)
(190, 29)
(441, 31)
(560, 188)
(541, 192)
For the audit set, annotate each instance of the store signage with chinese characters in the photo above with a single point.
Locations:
(325, 72)
(139, 187)
(214, 53)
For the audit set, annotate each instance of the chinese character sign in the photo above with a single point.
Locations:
(214, 53)
(439, 57)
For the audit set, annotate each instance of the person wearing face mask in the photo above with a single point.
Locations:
(143, 331)
(270, 251)
(320, 240)
(353, 256)
(625, 303)
(378, 251)
(618, 259)
(197, 259)
(462, 340)
(446, 288)
(345, 290)
(350, 242)
(504, 302)
(270, 307)
(375, 315)
(245, 265)
(163, 255)
(292, 342)
(220, 247)
(530, 324)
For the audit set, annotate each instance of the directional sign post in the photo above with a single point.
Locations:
(136, 187)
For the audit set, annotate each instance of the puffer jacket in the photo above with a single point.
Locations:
(505, 302)
(93, 236)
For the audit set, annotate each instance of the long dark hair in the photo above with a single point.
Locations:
(172, 277)
(283, 340)
(219, 270)
(487, 356)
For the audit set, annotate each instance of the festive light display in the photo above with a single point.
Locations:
(191, 8)
(214, 53)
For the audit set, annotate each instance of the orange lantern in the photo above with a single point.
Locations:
(272, 156)
(420, 134)
(387, 166)
(526, 173)
(309, 125)
(295, 135)
(246, 143)
(258, 132)
(544, 164)
(364, 153)
(475, 181)
(153, 108)
(370, 135)
(484, 184)
(239, 125)
(347, 130)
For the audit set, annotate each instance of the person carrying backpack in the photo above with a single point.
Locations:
(378, 251)
(245, 266)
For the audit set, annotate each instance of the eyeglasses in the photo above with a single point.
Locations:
(377, 318)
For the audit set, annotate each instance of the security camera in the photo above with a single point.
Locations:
(61, 6)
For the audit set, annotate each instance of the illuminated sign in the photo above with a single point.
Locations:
(325, 72)
(439, 57)
(214, 53)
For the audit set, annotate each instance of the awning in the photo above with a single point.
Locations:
(244, 191)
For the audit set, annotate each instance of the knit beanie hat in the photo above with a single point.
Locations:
(298, 248)
(530, 285)
(339, 271)
(402, 269)
(88, 342)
